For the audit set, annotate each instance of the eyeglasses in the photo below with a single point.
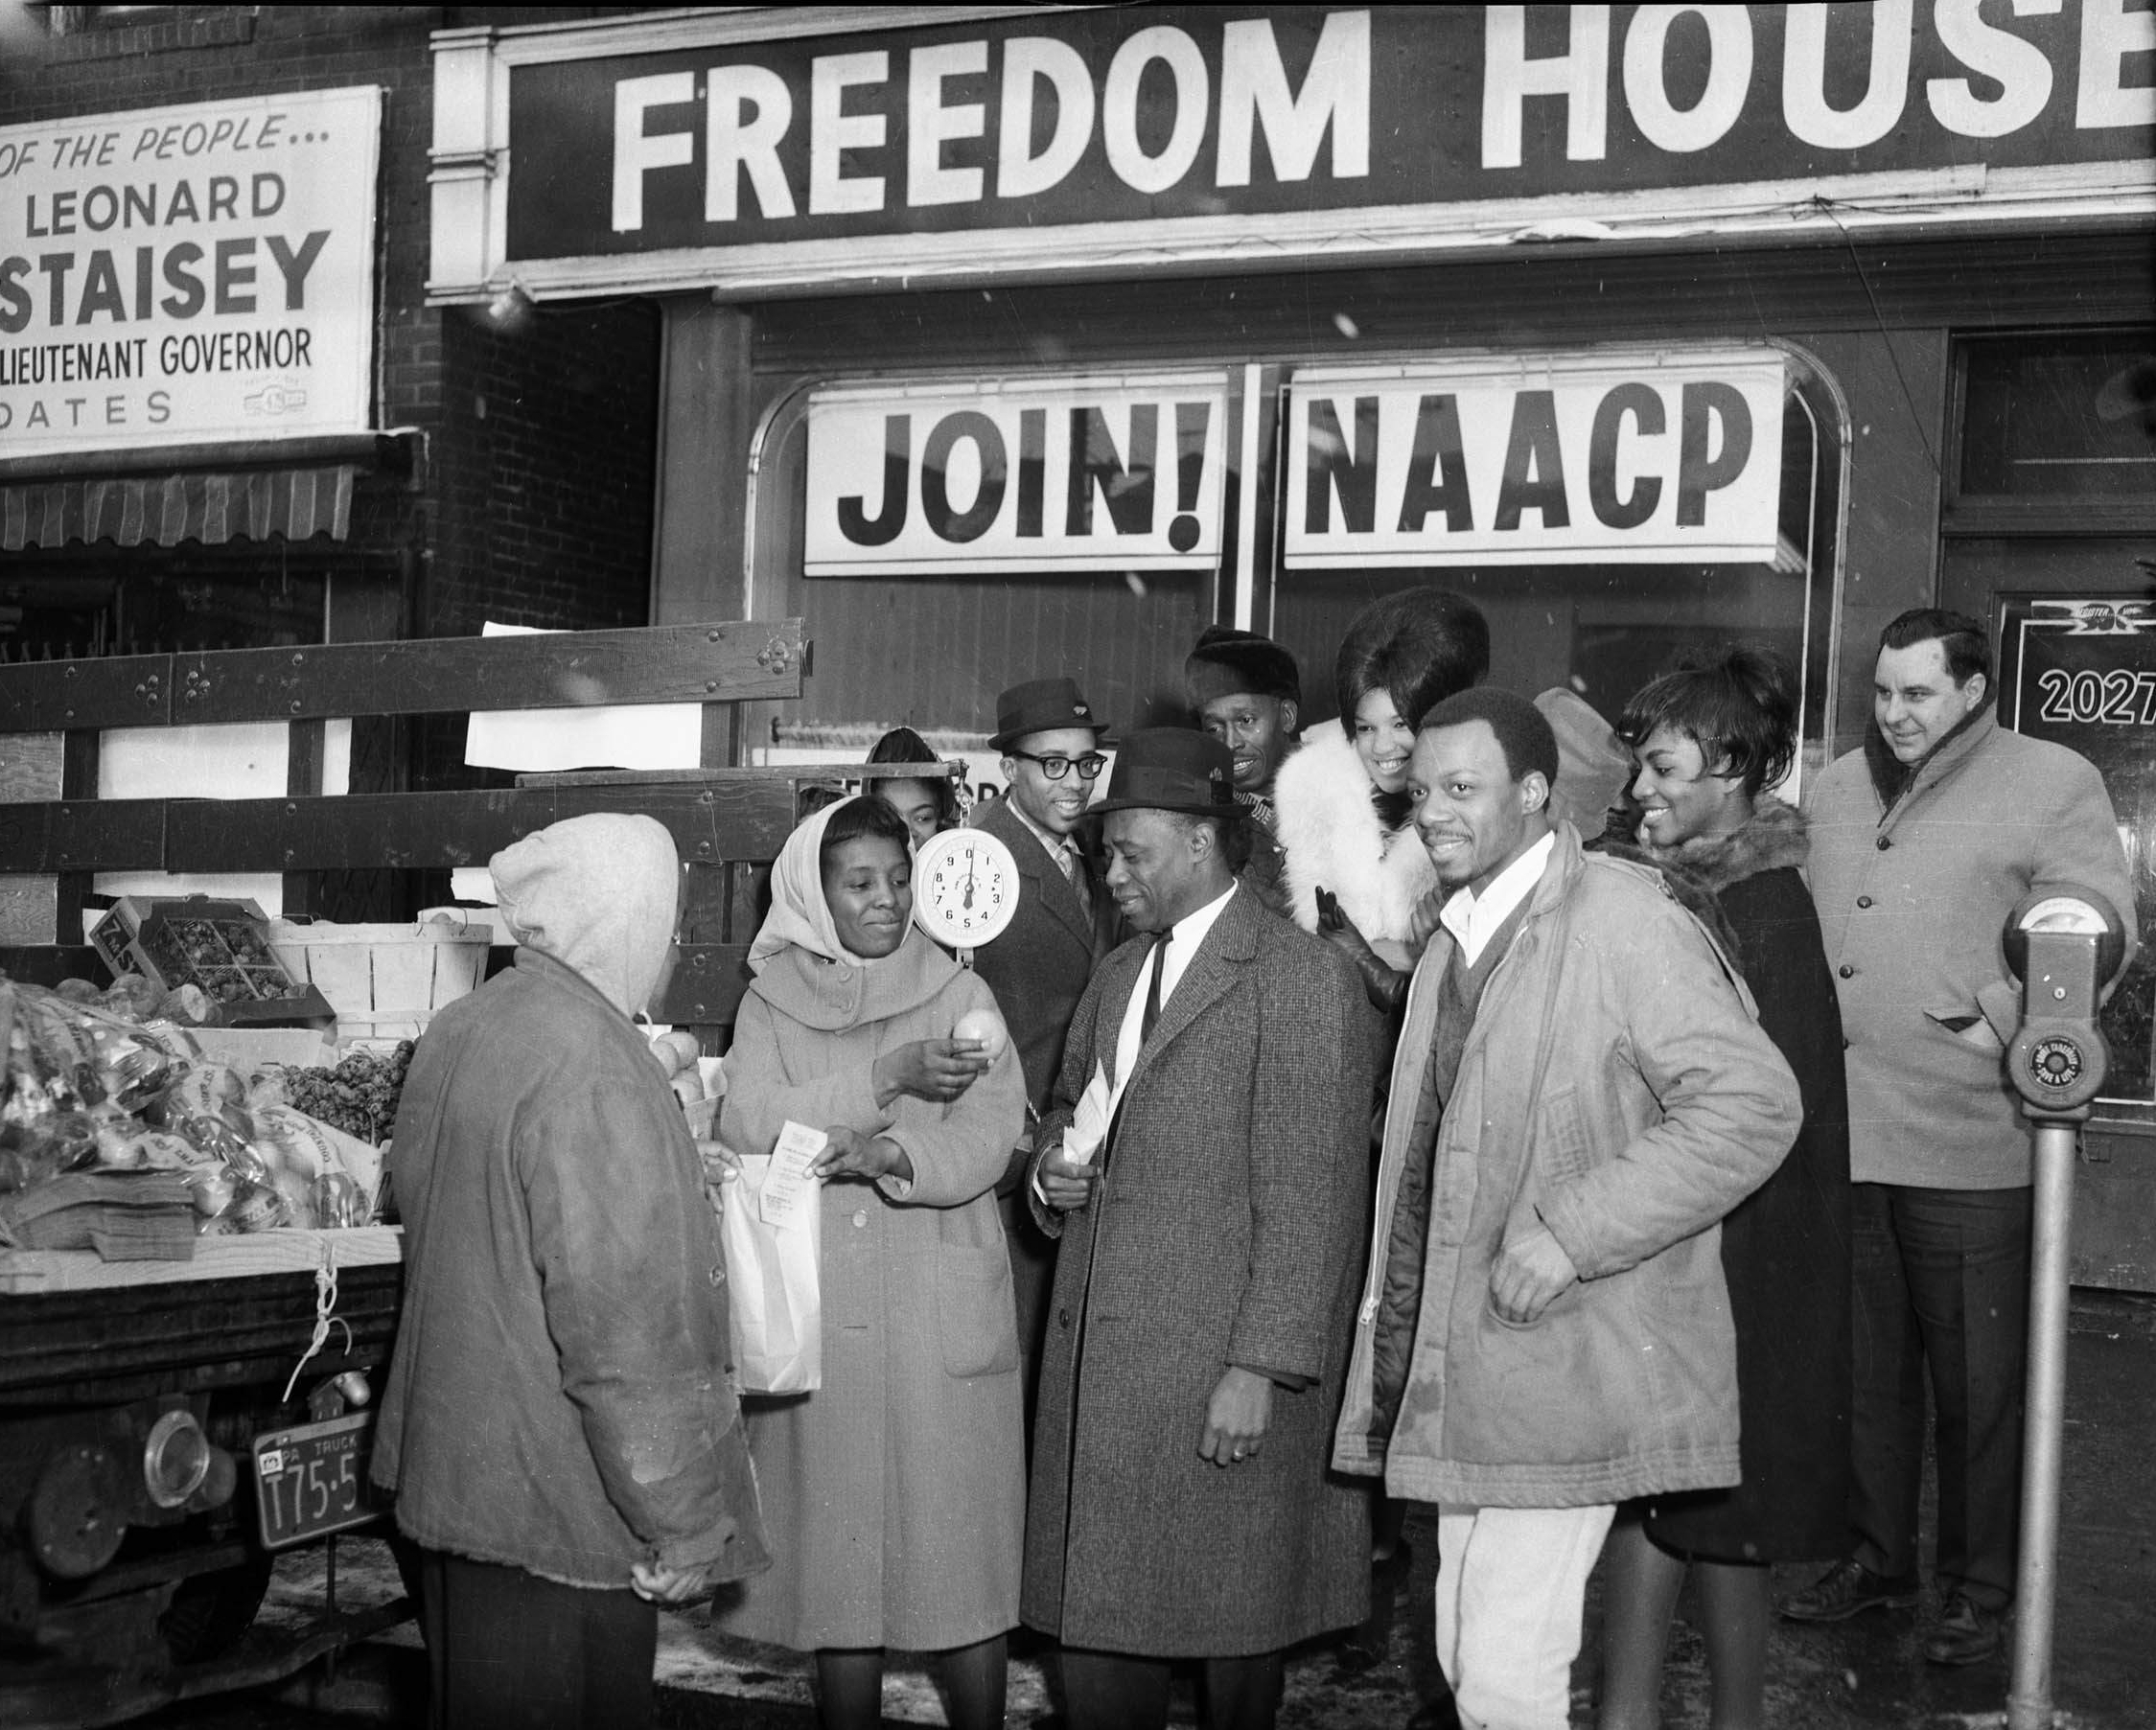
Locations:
(1089, 766)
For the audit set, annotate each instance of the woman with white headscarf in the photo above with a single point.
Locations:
(895, 1494)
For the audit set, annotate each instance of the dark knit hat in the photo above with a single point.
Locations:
(1227, 662)
(1173, 768)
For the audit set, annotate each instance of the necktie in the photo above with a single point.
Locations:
(1075, 874)
(1151, 1012)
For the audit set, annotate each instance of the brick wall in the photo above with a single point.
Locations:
(533, 502)
(545, 468)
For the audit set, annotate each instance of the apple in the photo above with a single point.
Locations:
(986, 1027)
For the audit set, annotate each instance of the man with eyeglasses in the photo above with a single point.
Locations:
(1039, 966)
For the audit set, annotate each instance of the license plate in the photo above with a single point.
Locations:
(312, 1479)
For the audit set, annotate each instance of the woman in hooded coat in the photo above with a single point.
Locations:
(895, 1492)
(1709, 739)
(557, 1424)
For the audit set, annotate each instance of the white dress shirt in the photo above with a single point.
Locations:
(1097, 1108)
(1473, 919)
(1183, 938)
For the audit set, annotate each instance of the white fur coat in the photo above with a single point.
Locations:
(1331, 834)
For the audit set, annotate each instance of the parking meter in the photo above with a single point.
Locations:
(2064, 945)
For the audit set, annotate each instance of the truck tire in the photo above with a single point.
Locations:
(210, 1612)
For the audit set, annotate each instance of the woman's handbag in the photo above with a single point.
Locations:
(776, 1312)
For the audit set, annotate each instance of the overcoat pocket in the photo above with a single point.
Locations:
(976, 1310)
(1971, 1029)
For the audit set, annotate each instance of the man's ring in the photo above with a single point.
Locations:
(1237, 1455)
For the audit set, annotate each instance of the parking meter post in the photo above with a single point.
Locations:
(2029, 1697)
(2065, 946)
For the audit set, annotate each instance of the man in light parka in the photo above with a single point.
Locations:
(1581, 1093)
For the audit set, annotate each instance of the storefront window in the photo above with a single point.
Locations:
(69, 606)
(1604, 626)
(2050, 537)
(2060, 415)
(943, 538)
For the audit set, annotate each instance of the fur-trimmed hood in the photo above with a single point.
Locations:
(1333, 839)
(1775, 836)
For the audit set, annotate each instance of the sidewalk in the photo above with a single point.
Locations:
(1867, 1672)
(1863, 1674)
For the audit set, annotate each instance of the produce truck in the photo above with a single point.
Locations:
(169, 1428)
(156, 1454)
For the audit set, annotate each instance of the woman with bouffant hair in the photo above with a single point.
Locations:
(1707, 741)
(1354, 870)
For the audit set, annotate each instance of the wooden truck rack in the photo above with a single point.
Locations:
(86, 1370)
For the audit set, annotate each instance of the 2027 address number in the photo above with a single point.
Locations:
(2091, 698)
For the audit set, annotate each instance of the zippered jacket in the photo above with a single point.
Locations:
(1615, 1088)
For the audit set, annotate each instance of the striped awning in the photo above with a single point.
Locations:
(167, 509)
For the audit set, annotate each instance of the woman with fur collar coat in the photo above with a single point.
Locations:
(1355, 869)
(1707, 740)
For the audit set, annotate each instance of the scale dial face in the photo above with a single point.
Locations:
(965, 887)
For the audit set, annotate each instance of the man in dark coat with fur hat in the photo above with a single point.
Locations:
(1207, 1170)
(1245, 692)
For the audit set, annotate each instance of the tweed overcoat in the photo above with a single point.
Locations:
(895, 1494)
(1226, 1230)
(1911, 902)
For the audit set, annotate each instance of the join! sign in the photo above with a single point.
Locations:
(1640, 458)
(1041, 474)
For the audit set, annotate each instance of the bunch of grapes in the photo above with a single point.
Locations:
(359, 1096)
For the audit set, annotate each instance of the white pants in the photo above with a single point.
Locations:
(1511, 1590)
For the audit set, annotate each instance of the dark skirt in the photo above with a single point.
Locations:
(1785, 1252)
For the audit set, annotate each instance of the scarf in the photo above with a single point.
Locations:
(802, 968)
(1774, 835)
(1890, 776)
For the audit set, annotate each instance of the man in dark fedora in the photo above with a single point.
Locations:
(1050, 739)
(1206, 1167)
(1245, 692)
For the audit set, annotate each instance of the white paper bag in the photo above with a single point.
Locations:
(776, 1311)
